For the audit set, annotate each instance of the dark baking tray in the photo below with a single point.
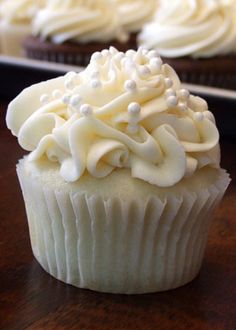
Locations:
(16, 74)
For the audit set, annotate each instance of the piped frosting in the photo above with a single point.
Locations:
(125, 110)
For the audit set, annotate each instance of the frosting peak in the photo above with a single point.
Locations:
(124, 110)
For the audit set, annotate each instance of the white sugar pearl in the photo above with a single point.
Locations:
(95, 83)
(113, 50)
(170, 92)
(119, 56)
(130, 53)
(156, 63)
(56, 94)
(130, 85)
(70, 75)
(105, 52)
(182, 107)
(86, 110)
(96, 56)
(184, 93)
(168, 82)
(44, 99)
(152, 54)
(143, 50)
(198, 116)
(144, 71)
(66, 98)
(172, 101)
(69, 83)
(134, 108)
(75, 100)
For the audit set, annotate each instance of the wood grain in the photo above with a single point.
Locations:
(31, 299)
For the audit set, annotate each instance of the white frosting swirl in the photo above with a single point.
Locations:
(124, 110)
(135, 13)
(198, 28)
(19, 10)
(80, 21)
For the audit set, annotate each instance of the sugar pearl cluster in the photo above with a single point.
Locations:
(141, 68)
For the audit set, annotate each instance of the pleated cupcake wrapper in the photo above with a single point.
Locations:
(118, 246)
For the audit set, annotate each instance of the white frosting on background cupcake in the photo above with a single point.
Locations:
(123, 111)
(135, 13)
(80, 21)
(198, 28)
(19, 11)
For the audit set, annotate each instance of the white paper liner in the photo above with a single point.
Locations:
(119, 246)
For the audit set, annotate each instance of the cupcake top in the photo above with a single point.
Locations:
(135, 13)
(19, 11)
(80, 21)
(197, 28)
(125, 110)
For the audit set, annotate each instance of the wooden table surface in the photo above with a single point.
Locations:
(31, 299)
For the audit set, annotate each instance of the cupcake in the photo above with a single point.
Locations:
(198, 38)
(15, 25)
(71, 31)
(133, 14)
(122, 176)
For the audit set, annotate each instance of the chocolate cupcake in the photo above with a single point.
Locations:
(70, 32)
(197, 38)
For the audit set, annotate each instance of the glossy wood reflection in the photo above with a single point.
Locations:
(31, 299)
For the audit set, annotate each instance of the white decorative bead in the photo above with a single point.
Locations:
(182, 107)
(70, 75)
(127, 63)
(170, 92)
(96, 56)
(130, 85)
(105, 52)
(134, 108)
(66, 98)
(113, 50)
(172, 101)
(69, 83)
(184, 94)
(143, 50)
(152, 54)
(156, 62)
(144, 71)
(75, 100)
(95, 74)
(95, 83)
(44, 99)
(56, 94)
(168, 82)
(198, 116)
(119, 56)
(86, 110)
(130, 53)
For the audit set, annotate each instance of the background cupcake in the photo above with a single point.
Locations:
(123, 174)
(133, 14)
(198, 38)
(15, 24)
(70, 31)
